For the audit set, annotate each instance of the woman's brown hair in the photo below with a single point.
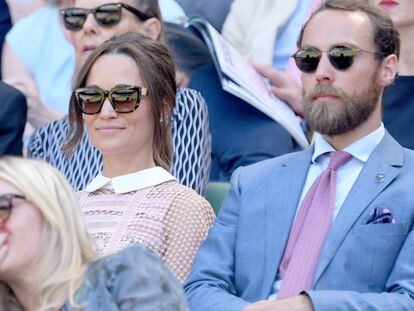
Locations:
(158, 72)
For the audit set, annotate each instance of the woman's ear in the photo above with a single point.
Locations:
(388, 70)
(151, 28)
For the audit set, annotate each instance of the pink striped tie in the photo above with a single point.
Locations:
(309, 231)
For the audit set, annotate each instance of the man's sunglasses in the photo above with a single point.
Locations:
(6, 204)
(123, 98)
(105, 15)
(340, 56)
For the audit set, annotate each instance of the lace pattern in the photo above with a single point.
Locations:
(170, 219)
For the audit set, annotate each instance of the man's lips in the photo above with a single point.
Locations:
(388, 5)
(324, 97)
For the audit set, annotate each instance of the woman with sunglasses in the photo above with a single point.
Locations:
(124, 94)
(46, 259)
(92, 22)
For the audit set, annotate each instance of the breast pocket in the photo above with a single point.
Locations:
(370, 252)
(399, 229)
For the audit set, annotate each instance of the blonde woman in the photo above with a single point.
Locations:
(46, 259)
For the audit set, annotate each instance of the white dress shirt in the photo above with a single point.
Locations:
(347, 174)
(131, 182)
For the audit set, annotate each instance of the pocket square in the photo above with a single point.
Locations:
(380, 215)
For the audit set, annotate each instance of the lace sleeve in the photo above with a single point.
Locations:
(191, 140)
(186, 225)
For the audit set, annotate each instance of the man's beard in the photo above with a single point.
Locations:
(344, 114)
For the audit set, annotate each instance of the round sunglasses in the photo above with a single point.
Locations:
(6, 204)
(340, 56)
(105, 15)
(123, 98)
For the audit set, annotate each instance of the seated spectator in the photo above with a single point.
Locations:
(124, 95)
(39, 60)
(44, 72)
(329, 228)
(13, 111)
(46, 258)
(262, 36)
(191, 137)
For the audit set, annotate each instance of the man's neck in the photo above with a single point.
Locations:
(340, 142)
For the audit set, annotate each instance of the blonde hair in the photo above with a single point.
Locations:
(66, 248)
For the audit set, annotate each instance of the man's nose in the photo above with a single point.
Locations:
(325, 72)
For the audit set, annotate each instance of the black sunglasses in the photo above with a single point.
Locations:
(123, 98)
(105, 15)
(340, 56)
(6, 204)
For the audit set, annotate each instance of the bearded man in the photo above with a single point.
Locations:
(329, 228)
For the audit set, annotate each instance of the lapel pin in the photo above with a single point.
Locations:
(380, 177)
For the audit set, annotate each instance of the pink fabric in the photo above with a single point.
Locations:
(170, 219)
(309, 230)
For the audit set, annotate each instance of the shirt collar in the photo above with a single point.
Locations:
(361, 149)
(131, 182)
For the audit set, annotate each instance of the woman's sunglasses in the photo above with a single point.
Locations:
(123, 98)
(341, 57)
(105, 15)
(6, 204)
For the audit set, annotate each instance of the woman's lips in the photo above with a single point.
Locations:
(88, 48)
(110, 129)
(388, 5)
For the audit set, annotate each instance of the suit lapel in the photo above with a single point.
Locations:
(387, 160)
(284, 188)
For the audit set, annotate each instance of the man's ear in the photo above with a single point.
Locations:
(151, 28)
(388, 70)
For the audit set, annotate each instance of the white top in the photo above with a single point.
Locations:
(131, 182)
(346, 176)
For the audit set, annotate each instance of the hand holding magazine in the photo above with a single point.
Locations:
(239, 78)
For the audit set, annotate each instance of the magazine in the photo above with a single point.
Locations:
(239, 78)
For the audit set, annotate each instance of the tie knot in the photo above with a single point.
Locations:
(338, 158)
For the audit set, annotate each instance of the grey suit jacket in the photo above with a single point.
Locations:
(361, 267)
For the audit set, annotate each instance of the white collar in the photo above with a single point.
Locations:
(131, 182)
(361, 149)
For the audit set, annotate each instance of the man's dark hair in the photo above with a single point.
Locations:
(386, 36)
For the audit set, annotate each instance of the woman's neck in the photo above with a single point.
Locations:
(406, 61)
(118, 165)
(26, 293)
